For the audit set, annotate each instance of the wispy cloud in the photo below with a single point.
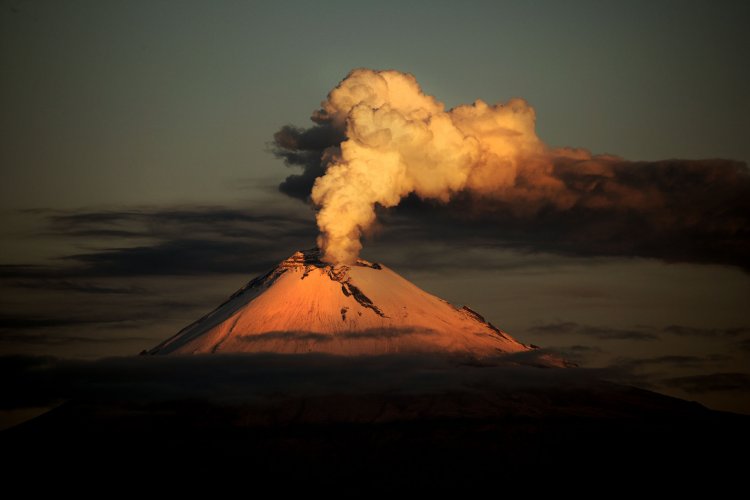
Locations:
(689, 331)
(638, 332)
(63, 339)
(677, 361)
(160, 242)
(35, 321)
(78, 286)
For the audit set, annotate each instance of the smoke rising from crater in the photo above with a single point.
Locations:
(379, 138)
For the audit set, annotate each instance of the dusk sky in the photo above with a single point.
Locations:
(141, 181)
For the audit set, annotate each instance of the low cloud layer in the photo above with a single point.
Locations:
(379, 140)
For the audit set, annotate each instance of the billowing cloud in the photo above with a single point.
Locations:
(379, 139)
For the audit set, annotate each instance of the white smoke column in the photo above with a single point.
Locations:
(402, 141)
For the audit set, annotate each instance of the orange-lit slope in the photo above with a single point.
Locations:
(304, 305)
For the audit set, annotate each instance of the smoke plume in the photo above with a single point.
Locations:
(379, 138)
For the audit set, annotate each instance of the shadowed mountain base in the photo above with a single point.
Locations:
(382, 441)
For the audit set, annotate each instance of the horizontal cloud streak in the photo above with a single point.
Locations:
(77, 286)
(162, 242)
(54, 339)
(713, 382)
(687, 331)
(368, 334)
(37, 321)
(638, 333)
(598, 332)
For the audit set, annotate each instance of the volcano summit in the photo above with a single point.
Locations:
(306, 305)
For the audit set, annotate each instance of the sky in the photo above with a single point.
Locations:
(140, 178)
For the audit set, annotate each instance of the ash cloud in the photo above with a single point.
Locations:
(481, 169)
(310, 149)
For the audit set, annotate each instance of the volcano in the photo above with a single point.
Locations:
(305, 305)
(335, 375)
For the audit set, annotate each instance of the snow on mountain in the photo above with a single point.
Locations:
(305, 305)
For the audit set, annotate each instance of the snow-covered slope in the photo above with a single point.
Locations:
(305, 305)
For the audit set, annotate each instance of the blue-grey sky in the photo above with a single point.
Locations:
(139, 188)
(143, 101)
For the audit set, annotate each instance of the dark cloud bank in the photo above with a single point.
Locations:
(162, 242)
(703, 219)
(685, 211)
